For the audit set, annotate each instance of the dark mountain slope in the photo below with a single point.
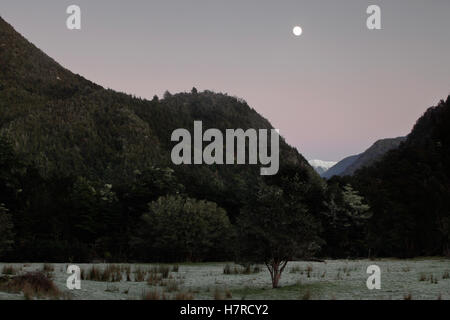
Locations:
(373, 154)
(409, 190)
(69, 125)
(340, 167)
(351, 164)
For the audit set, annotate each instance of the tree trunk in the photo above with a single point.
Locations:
(275, 269)
(276, 279)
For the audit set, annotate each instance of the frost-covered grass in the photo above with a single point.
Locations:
(420, 278)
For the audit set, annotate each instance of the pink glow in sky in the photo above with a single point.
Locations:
(332, 91)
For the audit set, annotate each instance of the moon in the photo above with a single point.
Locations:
(297, 31)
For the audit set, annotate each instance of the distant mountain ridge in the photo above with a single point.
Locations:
(340, 167)
(351, 164)
(373, 154)
(321, 166)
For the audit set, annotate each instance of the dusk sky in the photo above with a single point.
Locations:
(332, 91)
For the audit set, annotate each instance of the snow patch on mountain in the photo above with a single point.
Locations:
(321, 166)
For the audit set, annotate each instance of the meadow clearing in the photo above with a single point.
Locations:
(421, 278)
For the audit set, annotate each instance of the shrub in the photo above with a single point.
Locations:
(185, 229)
(32, 284)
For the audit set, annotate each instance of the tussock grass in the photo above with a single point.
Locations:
(94, 274)
(153, 295)
(154, 274)
(171, 285)
(140, 274)
(9, 270)
(347, 269)
(183, 296)
(218, 294)
(161, 295)
(154, 279)
(229, 270)
(32, 285)
(222, 294)
(431, 278)
(48, 267)
(111, 273)
(164, 271)
(307, 295)
(406, 269)
(112, 289)
(296, 269)
(308, 270)
(247, 269)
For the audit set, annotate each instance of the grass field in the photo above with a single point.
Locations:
(422, 278)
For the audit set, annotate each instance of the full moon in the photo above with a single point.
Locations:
(297, 31)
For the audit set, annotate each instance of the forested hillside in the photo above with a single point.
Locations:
(81, 165)
(84, 128)
(409, 191)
